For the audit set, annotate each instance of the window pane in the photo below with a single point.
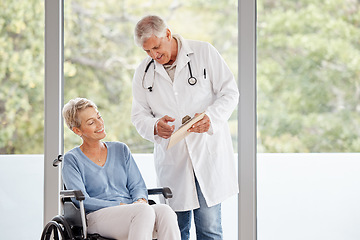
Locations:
(22, 77)
(101, 56)
(308, 76)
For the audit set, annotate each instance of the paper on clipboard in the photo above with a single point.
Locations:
(182, 132)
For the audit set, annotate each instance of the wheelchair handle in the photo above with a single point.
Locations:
(77, 194)
(165, 191)
(58, 160)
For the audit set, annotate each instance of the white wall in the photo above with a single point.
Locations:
(300, 196)
(308, 196)
(21, 196)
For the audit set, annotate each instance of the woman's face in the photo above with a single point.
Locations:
(92, 125)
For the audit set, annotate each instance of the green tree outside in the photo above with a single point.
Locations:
(307, 70)
(21, 77)
(308, 76)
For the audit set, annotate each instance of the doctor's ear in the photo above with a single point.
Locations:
(168, 34)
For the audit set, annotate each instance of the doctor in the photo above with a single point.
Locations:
(185, 77)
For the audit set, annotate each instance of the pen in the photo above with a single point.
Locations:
(204, 73)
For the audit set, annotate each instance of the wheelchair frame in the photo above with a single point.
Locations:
(72, 225)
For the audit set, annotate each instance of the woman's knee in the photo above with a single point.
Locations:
(165, 212)
(145, 211)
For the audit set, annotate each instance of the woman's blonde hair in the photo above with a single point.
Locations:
(71, 111)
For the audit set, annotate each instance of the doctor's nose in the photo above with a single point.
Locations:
(154, 54)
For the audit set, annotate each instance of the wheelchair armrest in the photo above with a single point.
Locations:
(77, 194)
(165, 191)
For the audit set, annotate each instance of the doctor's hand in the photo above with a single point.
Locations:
(162, 128)
(201, 126)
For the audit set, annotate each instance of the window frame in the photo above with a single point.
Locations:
(247, 120)
(53, 87)
(53, 135)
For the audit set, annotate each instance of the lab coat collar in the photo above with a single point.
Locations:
(183, 56)
(184, 45)
(159, 68)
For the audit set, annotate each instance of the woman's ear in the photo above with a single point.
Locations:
(77, 131)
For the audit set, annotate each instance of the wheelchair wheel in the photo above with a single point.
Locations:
(53, 230)
(57, 229)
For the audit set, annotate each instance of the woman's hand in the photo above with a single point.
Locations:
(141, 200)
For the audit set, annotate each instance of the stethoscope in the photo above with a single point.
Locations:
(191, 80)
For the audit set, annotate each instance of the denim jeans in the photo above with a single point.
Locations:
(207, 220)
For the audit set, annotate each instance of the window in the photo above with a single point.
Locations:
(21, 118)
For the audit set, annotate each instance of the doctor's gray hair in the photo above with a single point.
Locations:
(148, 26)
(71, 111)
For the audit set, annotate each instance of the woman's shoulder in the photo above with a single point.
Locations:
(117, 146)
(72, 157)
(72, 153)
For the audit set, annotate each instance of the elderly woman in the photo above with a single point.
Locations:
(115, 192)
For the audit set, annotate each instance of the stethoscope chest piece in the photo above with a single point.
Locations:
(192, 81)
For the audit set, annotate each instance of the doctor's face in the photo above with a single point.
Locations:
(159, 49)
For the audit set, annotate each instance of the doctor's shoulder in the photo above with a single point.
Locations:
(199, 44)
(201, 47)
(142, 65)
(140, 69)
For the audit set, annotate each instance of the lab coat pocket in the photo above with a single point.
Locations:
(203, 85)
(212, 145)
(162, 156)
(201, 92)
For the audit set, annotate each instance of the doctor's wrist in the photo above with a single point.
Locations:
(155, 127)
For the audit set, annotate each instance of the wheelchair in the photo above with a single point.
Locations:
(71, 223)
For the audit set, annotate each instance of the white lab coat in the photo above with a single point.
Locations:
(209, 155)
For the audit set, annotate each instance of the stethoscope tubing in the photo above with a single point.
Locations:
(191, 80)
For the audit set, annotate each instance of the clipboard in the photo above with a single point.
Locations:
(182, 132)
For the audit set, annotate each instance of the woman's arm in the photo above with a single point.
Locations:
(135, 182)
